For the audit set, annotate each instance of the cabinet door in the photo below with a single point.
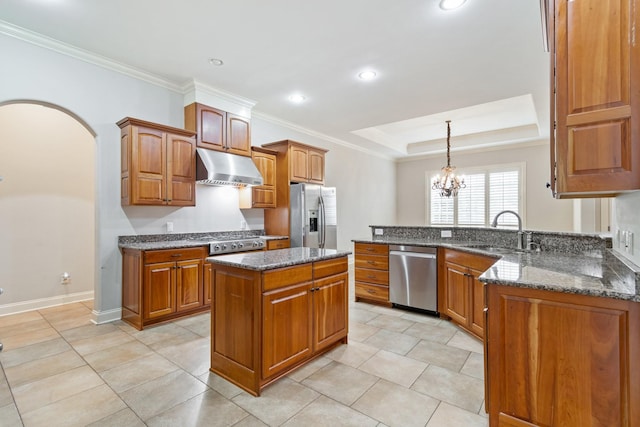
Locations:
(476, 314)
(298, 164)
(211, 125)
(264, 196)
(330, 318)
(287, 328)
(159, 289)
(188, 284)
(316, 167)
(597, 138)
(457, 293)
(207, 270)
(238, 139)
(149, 167)
(181, 170)
(560, 359)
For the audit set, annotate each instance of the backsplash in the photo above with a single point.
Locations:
(626, 216)
(549, 241)
(215, 235)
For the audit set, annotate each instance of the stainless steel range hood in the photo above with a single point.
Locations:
(218, 168)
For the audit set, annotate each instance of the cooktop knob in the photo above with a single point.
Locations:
(241, 245)
(233, 246)
(224, 246)
(216, 248)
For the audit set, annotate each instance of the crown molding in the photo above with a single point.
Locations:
(83, 55)
(196, 86)
(316, 134)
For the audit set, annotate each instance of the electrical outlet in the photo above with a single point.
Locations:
(65, 278)
(446, 233)
(243, 225)
(629, 246)
(378, 231)
(169, 227)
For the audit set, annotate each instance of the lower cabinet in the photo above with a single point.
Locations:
(277, 244)
(372, 273)
(264, 324)
(161, 285)
(557, 359)
(460, 293)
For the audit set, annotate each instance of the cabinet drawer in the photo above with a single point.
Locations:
(376, 262)
(329, 267)
(167, 255)
(282, 277)
(365, 290)
(277, 244)
(379, 277)
(372, 248)
(477, 262)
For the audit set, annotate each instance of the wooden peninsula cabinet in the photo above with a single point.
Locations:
(559, 359)
(218, 130)
(158, 164)
(460, 293)
(266, 323)
(372, 273)
(159, 285)
(595, 102)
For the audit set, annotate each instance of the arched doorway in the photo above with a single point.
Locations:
(47, 206)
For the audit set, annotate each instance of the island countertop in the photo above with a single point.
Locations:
(598, 273)
(270, 260)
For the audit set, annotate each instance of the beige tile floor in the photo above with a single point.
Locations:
(399, 369)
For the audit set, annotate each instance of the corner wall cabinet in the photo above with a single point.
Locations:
(595, 97)
(265, 324)
(261, 196)
(160, 285)
(558, 359)
(372, 273)
(158, 164)
(218, 130)
(460, 293)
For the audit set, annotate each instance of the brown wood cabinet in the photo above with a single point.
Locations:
(292, 163)
(557, 359)
(261, 196)
(372, 273)
(595, 97)
(158, 164)
(161, 285)
(460, 293)
(264, 324)
(218, 130)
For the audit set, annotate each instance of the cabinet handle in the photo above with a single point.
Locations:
(371, 277)
(369, 249)
(318, 288)
(371, 291)
(371, 262)
(176, 255)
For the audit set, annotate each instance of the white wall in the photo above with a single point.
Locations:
(101, 97)
(543, 212)
(47, 206)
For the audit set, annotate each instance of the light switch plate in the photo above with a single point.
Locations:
(378, 231)
(445, 233)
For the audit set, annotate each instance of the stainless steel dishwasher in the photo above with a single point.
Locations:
(413, 277)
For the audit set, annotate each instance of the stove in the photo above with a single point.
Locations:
(237, 245)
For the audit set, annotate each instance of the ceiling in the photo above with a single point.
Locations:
(482, 66)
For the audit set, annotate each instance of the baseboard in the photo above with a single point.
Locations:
(106, 316)
(37, 304)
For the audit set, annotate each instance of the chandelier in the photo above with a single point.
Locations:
(448, 183)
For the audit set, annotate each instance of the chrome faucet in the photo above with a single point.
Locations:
(494, 224)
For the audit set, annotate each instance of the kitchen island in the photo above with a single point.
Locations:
(274, 311)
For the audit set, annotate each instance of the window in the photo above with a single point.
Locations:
(489, 190)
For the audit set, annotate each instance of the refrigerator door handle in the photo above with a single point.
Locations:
(322, 225)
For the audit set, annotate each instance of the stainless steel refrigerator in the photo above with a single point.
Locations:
(314, 222)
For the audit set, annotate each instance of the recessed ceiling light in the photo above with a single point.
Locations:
(367, 75)
(451, 4)
(297, 98)
(215, 61)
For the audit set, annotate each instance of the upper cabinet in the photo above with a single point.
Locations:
(596, 101)
(218, 130)
(304, 162)
(261, 196)
(158, 164)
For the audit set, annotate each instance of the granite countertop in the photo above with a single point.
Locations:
(193, 242)
(269, 260)
(596, 273)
